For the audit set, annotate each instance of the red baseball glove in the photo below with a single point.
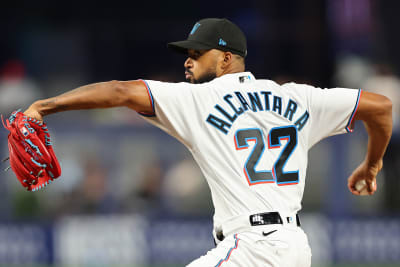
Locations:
(31, 153)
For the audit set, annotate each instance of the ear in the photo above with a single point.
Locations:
(226, 60)
(227, 57)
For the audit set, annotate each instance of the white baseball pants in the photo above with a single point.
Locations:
(260, 246)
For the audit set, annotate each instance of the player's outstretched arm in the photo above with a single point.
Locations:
(132, 94)
(376, 112)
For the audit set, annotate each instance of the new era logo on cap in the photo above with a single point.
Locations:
(222, 42)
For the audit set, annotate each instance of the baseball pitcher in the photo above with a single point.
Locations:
(249, 136)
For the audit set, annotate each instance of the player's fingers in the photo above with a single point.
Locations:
(354, 192)
(371, 186)
(351, 187)
(374, 186)
(351, 182)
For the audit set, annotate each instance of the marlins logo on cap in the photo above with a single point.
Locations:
(197, 25)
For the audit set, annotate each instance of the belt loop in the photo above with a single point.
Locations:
(298, 220)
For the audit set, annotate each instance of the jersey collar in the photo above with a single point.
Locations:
(241, 77)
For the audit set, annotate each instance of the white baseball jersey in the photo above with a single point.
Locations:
(251, 137)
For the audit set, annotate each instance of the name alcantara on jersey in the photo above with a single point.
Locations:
(257, 101)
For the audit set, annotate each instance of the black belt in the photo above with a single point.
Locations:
(270, 218)
(263, 219)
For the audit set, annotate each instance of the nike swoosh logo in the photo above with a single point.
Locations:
(266, 234)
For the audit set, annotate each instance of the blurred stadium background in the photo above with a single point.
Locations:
(130, 195)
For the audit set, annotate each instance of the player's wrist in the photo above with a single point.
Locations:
(34, 111)
(374, 164)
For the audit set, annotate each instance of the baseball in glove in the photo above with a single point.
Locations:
(31, 154)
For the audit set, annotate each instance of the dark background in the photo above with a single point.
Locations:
(126, 40)
(116, 164)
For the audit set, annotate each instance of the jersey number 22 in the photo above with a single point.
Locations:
(275, 136)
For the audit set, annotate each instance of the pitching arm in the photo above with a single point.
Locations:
(132, 94)
(376, 113)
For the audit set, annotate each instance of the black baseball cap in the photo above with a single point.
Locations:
(210, 33)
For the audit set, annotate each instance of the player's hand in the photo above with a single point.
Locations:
(33, 112)
(364, 172)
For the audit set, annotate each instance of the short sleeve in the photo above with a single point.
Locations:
(331, 111)
(173, 109)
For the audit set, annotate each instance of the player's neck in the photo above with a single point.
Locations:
(234, 68)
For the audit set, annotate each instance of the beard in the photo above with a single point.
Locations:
(205, 77)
